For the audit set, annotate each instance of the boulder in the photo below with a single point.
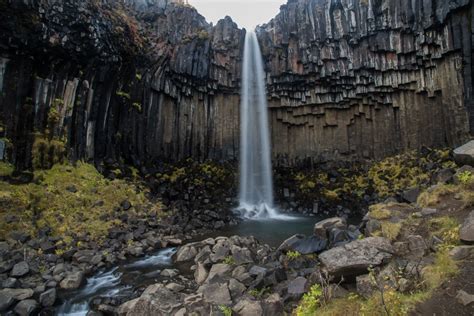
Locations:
(186, 253)
(464, 298)
(322, 228)
(297, 287)
(175, 287)
(248, 307)
(216, 293)
(218, 270)
(26, 308)
(20, 269)
(48, 298)
(236, 288)
(273, 305)
(6, 300)
(18, 294)
(304, 245)
(201, 273)
(156, 300)
(467, 229)
(462, 252)
(464, 155)
(365, 287)
(411, 195)
(417, 246)
(355, 257)
(169, 273)
(72, 280)
(241, 255)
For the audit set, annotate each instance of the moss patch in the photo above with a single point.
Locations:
(70, 201)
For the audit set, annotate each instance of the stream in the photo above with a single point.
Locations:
(124, 279)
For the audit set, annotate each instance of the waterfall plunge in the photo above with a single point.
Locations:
(256, 187)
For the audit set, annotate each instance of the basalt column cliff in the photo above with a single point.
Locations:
(369, 78)
(146, 81)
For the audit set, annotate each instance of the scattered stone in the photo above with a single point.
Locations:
(6, 300)
(201, 273)
(417, 245)
(217, 293)
(72, 281)
(48, 298)
(467, 229)
(175, 287)
(355, 257)
(186, 253)
(18, 294)
(411, 195)
(218, 270)
(297, 287)
(273, 305)
(428, 212)
(322, 228)
(241, 255)
(236, 288)
(462, 252)
(71, 188)
(169, 273)
(465, 298)
(304, 245)
(26, 307)
(444, 176)
(125, 205)
(464, 155)
(10, 283)
(365, 286)
(248, 307)
(20, 269)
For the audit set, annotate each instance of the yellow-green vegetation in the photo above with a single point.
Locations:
(465, 177)
(47, 151)
(390, 218)
(229, 260)
(137, 106)
(259, 293)
(434, 196)
(70, 200)
(380, 211)
(394, 302)
(310, 302)
(397, 173)
(293, 255)
(225, 310)
(123, 94)
(6, 169)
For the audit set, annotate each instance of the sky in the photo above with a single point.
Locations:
(246, 13)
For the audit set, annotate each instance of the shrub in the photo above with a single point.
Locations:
(310, 302)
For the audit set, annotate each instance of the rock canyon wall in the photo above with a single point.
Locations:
(144, 81)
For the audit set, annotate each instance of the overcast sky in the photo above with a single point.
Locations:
(246, 13)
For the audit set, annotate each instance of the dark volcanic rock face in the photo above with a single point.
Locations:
(369, 78)
(151, 80)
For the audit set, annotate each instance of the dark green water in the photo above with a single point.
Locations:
(273, 232)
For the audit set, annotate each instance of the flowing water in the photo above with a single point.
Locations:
(256, 187)
(119, 281)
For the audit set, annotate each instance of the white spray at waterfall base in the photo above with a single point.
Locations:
(256, 186)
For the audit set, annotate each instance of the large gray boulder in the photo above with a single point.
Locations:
(467, 229)
(6, 300)
(464, 155)
(356, 257)
(322, 228)
(155, 300)
(26, 308)
(304, 245)
(72, 280)
(20, 269)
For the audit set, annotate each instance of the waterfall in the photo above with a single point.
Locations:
(256, 187)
